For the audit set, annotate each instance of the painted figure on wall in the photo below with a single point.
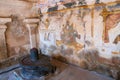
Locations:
(69, 34)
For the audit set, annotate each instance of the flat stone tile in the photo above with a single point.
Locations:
(75, 73)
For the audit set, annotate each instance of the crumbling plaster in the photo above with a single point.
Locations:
(76, 34)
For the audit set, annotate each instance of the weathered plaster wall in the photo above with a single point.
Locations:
(17, 40)
(20, 8)
(87, 36)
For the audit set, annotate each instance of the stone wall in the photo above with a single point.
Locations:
(14, 28)
(87, 36)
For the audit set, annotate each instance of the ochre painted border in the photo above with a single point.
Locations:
(84, 6)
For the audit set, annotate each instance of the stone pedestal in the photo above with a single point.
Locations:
(32, 27)
(16, 75)
(3, 48)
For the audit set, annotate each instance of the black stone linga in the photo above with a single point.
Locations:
(34, 54)
(35, 65)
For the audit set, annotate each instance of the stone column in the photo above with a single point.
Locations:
(32, 26)
(3, 47)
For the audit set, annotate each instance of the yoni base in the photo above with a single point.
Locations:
(16, 75)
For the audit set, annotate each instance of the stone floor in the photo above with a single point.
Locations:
(64, 72)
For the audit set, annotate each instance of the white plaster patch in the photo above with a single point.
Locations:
(61, 7)
(98, 29)
(44, 9)
(88, 26)
(106, 1)
(55, 25)
(107, 49)
(90, 1)
(113, 33)
(47, 37)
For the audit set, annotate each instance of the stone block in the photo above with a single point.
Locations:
(5, 20)
(31, 20)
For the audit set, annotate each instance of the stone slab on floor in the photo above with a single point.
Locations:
(16, 75)
(75, 73)
(65, 72)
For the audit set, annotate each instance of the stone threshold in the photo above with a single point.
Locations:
(14, 60)
(8, 69)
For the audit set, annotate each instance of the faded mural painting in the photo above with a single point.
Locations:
(82, 32)
(74, 28)
(86, 36)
